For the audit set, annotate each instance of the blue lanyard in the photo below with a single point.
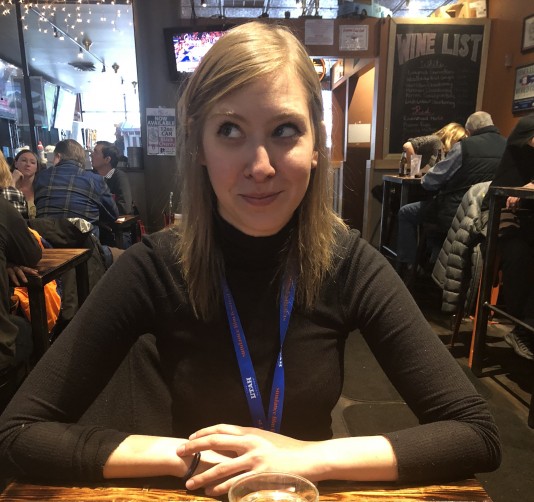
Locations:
(246, 368)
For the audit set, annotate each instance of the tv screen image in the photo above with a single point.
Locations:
(187, 46)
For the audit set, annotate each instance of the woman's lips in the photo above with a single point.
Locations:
(260, 199)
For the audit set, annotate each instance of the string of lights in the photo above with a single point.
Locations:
(69, 21)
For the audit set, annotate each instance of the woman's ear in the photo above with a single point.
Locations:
(320, 139)
(201, 158)
(315, 159)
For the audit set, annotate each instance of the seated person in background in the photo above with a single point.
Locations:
(434, 147)
(26, 166)
(67, 190)
(469, 161)
(516, 240)
(104, 159)
(8, 190)
(260, 243)
(19, 247)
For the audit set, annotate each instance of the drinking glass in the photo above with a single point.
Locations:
(273, 487)
(415, 165)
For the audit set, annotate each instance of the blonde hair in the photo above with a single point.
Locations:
(247, 53)
(450, 134)
(6, 179)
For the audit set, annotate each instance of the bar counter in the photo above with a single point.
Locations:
(150, 491)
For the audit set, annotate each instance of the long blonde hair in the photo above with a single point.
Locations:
(5, 174)
(243, 55)
(450, 134)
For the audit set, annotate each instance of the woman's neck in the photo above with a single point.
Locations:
(25, 185)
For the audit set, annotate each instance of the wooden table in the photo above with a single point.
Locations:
(131, 491)
(409, 190)
(54, 262)
(123, 224)
(498, 196)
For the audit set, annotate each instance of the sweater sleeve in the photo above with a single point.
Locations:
(457, 436)
(39, 434)
(428, 147)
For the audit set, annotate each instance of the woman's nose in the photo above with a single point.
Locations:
(259, 165)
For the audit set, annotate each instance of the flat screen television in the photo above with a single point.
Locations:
(185, 46)
(65, 108)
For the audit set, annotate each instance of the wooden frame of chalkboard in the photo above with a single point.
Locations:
(436, 70)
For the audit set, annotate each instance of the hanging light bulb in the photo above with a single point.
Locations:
(80, 53)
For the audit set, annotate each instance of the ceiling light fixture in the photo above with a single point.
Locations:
(80, 53)
(87, 42)
(115, 67)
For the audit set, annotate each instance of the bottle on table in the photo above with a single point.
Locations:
(169, 212)
(403, 164)
(41, 152)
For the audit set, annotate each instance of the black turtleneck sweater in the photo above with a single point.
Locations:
(144, 292)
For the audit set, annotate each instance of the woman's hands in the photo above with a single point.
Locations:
(230, 452)
(248, 450)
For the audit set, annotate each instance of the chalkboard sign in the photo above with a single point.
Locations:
(435, 76)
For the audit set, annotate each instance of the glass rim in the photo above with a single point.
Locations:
(255, 475)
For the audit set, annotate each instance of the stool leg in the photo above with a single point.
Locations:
(531, 410)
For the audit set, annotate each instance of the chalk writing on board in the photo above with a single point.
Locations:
(436, 71)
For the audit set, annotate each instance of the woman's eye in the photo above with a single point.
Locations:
(229, 130)
(286, 131)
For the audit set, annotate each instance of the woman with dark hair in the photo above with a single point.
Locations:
(250, 300)
(26, 166)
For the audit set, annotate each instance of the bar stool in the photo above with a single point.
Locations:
(498, 196)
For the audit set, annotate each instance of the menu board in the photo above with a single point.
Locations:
(436, 73)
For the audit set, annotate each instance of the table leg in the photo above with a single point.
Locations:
(82, 282)
(39, 320)
(119, 239)
(385, 222)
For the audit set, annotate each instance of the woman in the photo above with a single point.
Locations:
(260, 261)
(26, 165)
(8, 190)
(435, 146)
(516, 242)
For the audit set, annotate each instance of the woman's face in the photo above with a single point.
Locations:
(531, 142)
(258, 147)
(27, 164)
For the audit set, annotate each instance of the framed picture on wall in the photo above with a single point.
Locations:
(528, 34)
(524, 89)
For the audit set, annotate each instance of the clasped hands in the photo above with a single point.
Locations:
(241, 451)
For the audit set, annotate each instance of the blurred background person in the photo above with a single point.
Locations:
(434, 147)
(8, 190)
(68, 190)
(26, 166)
(17, 246)
(104, 160)
(516, 240)
(470, 161)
